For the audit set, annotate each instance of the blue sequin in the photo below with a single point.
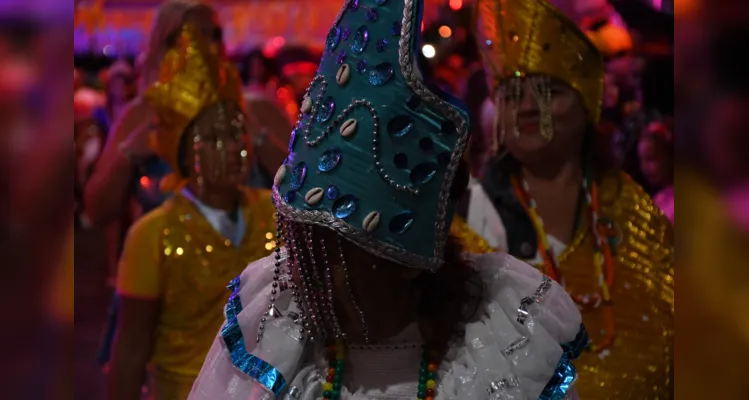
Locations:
(334, 37)
(332, 192)
(341, 57)
(345, 33)
(354, 5)
(361, 66)
(372, 15)
(400, 126)
(400, 223)
(329, 160)
(254, 367)
(382, 45)
(423, 173)
(401, 160)
(292, 140)
(326, 109)
(345, 206)
(290, 196)
(560, 383)
(361, 38)
(574, 348)
(381, 74)
(298, 175)
(395, 28)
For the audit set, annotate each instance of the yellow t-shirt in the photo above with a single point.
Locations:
(174, 256)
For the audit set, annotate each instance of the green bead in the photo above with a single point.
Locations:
(326, 394)
(339, 364)
(422, 379)
(336, 394)
(422, 388)
(337, 379)
(432, 375)
(423, 371)
(337, 386)
(424, 364)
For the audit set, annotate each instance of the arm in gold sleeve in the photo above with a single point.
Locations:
(470, 240)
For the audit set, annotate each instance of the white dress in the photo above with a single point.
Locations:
(500, 357)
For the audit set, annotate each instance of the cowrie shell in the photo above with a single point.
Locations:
(348, 128)
(343, 75)
(280, 174)
(371, 221)
(306, 105)
(313, 196)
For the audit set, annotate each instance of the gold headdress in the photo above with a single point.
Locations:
(193, 76)
(518, 37)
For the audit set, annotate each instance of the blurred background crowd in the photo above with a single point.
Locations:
(676, 99)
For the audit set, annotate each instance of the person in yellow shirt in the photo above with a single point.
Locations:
(179, 258)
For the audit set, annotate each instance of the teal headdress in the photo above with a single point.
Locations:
(374, 152)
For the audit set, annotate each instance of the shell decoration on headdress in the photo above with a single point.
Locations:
(375, 150)
(193, 76)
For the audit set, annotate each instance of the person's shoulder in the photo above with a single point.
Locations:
(529, 329)
(152, 222)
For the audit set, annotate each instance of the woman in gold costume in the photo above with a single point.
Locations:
(550, 198)
(179, 258)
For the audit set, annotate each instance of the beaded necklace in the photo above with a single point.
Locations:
(603, 259)
(336, 355)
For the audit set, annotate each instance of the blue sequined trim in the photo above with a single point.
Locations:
(561, 381)
(254, 367)
(574, 348)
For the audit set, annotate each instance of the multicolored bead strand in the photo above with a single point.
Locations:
(331, 388)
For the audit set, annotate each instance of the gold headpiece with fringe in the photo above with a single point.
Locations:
(193, 76)
(519, 37)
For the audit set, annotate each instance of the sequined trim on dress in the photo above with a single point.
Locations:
(252, 366)
(561, 382)
(536, 298)
(574, 348)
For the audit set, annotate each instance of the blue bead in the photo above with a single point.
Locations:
(400, 223)
(334, 37)
(345, 206)
(401, 160)
(381, 74)
(423, 173)
(326, 109)
(382, 45)
(361, 38)
(332, 192)
(341, 57)
(329, 160)
(345, 33)
(361, 66)
(290, 196)
(395, 28)
(298, 175)
(354, 5)
(400, 126)
(372, 15)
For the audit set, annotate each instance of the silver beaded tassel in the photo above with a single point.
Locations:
(310, 302)
(279, 284)
(362, 320)
(541, 90)
(329, 290)
(318, 288)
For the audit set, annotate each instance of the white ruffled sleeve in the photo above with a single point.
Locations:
(522, 342)
(238, 367)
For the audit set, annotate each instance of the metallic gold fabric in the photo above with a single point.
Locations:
(519, 37)
(639, 365)
(192, 77)
(197, 265)
(472, 242)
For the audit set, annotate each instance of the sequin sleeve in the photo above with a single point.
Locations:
(139, 273)
(239, 367)
(470, 240)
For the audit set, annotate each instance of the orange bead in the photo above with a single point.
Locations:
(429, 398)
(331, 371)
(432, 367)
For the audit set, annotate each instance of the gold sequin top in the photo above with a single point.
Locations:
(175, 256)
(639, 365)
(471, 241)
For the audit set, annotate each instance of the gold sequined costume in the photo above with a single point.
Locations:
(531, 37)
(174, 254)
